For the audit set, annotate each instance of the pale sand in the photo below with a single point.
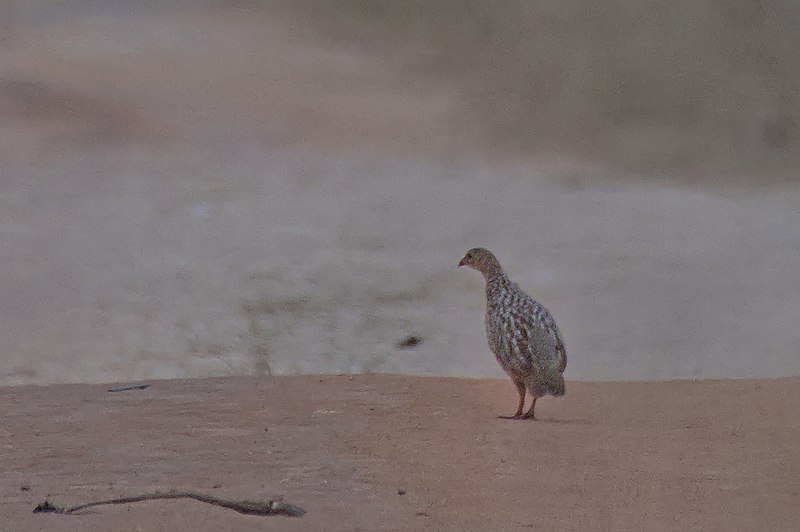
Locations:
(236, 189)
(705, 455)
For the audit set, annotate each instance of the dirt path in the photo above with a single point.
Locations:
(403, 453)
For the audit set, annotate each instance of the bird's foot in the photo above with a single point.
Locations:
(519, 416)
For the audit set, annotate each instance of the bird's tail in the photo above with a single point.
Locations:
(553, 385)
(560, 388)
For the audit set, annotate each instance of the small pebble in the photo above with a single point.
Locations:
(409, 342)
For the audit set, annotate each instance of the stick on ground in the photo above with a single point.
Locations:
(271, 507)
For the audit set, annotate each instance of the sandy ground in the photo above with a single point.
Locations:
(705, 455)
(235, 189)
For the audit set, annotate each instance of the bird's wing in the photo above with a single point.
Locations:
(539, 340)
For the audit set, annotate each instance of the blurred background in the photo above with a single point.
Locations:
(237, 188)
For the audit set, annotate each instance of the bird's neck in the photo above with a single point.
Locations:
(491, 270)
(496, 282)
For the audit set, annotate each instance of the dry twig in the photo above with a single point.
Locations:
(271, 507)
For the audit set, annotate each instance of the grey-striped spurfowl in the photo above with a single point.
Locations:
(522, 334)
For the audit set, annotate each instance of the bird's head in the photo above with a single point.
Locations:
(482, 260)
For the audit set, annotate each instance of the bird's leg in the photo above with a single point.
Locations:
(529, 413)
(521, 389)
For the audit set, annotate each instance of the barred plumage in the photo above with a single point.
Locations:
(522, 334)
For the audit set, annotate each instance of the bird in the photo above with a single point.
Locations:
(522, 334)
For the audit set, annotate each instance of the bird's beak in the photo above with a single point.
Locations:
(463, 262)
